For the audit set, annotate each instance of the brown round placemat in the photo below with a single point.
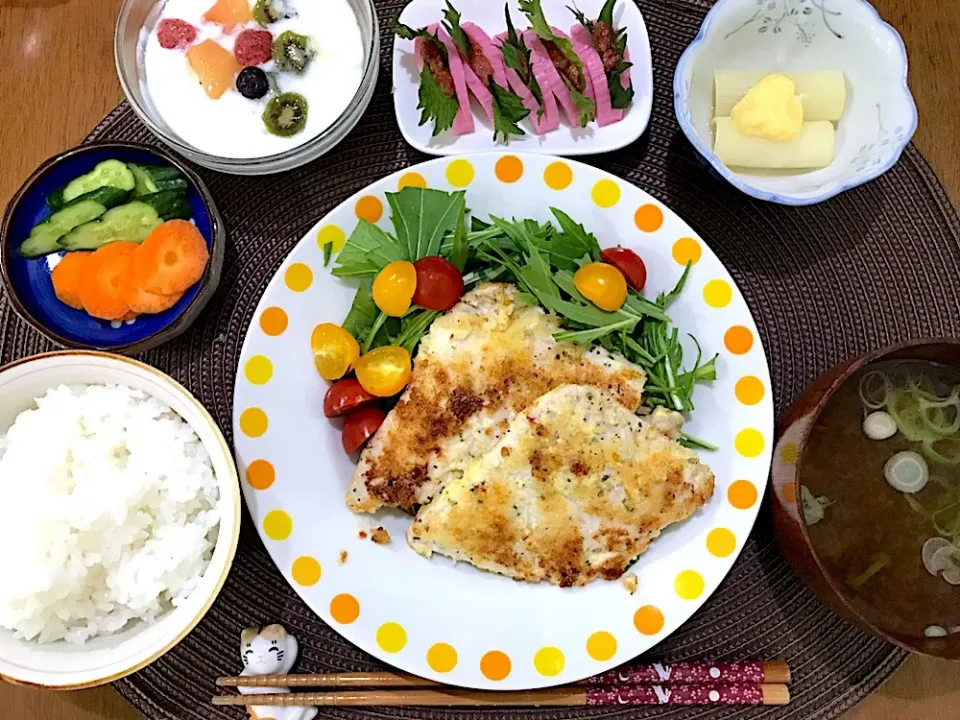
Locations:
(876, 265)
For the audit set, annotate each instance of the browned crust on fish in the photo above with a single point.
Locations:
(443, 398)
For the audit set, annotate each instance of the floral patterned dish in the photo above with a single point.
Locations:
(793, 35)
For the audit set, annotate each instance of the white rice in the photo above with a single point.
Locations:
(109, 513)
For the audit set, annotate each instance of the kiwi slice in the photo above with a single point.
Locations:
(286, 114)
(291, 52)
(266, 12)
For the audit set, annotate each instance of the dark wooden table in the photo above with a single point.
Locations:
(57, 79)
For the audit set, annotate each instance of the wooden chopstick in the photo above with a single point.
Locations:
(774, 672)
(335, 680)
(748, 694)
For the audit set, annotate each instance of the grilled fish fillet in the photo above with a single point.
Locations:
(577, 488)
(480, 364)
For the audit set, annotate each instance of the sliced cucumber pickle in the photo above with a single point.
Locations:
(155, 178)
(109, 173)
(131, 223)
(44, 237)
(169, 204)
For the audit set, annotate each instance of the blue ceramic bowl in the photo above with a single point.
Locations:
(28, 283)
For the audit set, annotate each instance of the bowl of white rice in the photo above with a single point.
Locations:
(119, 517)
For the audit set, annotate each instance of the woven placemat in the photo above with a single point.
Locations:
(874, 266)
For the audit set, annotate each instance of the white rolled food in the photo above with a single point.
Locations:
(812, 148)
(823, 93)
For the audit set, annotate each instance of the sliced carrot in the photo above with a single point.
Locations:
(107, 272)
(145, 302)
(67, 276)
(171, 259)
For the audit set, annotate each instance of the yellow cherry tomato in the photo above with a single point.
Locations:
(394, 286)
(601, 284)
(334, 350)
(384, 371)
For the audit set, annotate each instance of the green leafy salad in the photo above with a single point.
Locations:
(541, 259)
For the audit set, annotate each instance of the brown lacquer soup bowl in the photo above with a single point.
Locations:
(863, 546)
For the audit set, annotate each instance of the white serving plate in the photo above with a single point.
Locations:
(566, 140)
(296, 473)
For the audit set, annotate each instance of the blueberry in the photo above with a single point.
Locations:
(252, 83)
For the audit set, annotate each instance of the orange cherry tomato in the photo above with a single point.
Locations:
(334, 350)
(629, 263)
(384, 371)
(394, 286)
(601, 284)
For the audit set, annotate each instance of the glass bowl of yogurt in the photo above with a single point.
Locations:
(248, 87)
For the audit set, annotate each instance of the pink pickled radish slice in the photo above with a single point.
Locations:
(479, 91)
(463, 123)
(490, 51)
(550, 119)
(549, 78)
(596, 77)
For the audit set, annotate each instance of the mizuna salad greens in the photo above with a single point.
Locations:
(541, 258)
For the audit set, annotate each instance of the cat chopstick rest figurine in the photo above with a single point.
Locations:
(270, 650)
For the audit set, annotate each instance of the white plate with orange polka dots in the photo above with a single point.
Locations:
(451, 622)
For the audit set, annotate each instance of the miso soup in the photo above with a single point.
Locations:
(880, 494)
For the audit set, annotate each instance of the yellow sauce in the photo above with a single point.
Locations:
(771, 109)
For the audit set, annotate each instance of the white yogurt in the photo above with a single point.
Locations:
(231, 126)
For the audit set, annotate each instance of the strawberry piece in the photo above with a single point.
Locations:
(253, 47)
(215, 67)
(175, 34)
(229, 13)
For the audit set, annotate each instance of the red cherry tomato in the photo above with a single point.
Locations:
(439, 283)
(343, 396)
(360, 425)
(629, 263)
